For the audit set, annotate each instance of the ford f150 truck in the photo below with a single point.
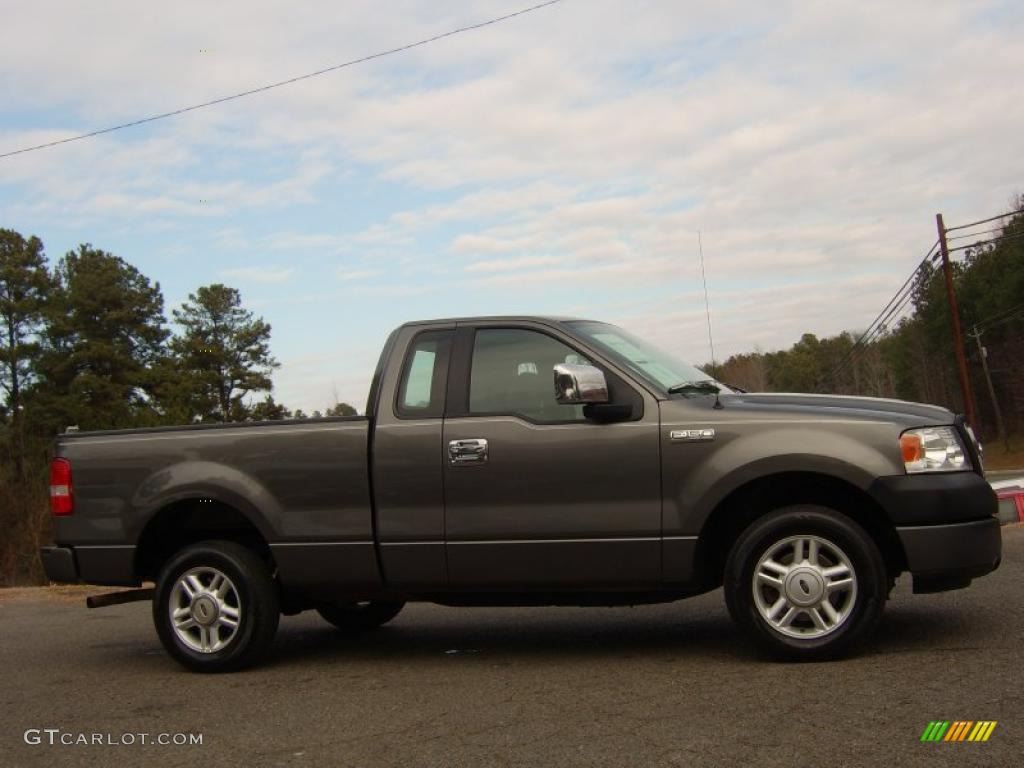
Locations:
(529, 461)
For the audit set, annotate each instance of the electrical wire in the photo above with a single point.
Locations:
(1000, 317)
(984, 221)
(891, 319)
(1006, 319)
(281, 83)
(894, 310)
(863, 344)
(975, 234)
(886, 322)
(1012, 236)
(904, 291)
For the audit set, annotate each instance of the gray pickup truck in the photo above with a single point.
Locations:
(529, 461)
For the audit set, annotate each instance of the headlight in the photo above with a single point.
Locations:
(933, 449)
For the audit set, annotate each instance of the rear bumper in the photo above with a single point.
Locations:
(943, 557)
(59, 564)
(110, 565)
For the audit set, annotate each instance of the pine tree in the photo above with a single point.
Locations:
(269, 410)
(24, 286)
(340, 409)
(105, 336)
(224, 351)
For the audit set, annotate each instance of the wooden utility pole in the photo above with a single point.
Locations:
(958, 336)
(983, 354)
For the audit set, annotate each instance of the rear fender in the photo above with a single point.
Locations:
(208, 480)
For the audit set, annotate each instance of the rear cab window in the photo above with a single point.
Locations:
(421, 390)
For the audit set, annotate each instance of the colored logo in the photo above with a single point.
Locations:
(958, 730)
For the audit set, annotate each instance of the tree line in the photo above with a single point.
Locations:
(914, 358)
(86, 342)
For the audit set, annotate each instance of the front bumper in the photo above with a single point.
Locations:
(946, 522)
(943, 557)
(935, 498)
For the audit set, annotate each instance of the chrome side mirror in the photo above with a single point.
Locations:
(579, 384)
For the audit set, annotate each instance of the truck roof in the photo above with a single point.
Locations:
(551, 319)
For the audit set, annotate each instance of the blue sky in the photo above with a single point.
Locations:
(561, 162)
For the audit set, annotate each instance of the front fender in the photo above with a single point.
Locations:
(694, 489)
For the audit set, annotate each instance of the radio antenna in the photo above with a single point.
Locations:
(707, 305)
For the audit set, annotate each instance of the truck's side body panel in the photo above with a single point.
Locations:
(573, 505)
(556, 505)
(304, 486)
(749, 441)
(408, 483)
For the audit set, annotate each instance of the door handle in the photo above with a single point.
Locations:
(469, 451)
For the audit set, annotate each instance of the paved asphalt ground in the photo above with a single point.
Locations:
(1004, 474)
(662, 685)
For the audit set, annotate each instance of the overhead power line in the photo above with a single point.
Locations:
(1012, 236)
(975, 234)
(1001, 317)
(896, 307)
(281, 83)
(906, 289)
(1000, 321)
(884, 322)
(904, 294)
(892, 317)
(896, 312)
(984, 221)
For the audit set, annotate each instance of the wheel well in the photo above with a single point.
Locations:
(765, 494)
(189, 521)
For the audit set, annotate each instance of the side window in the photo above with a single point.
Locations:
(421, 390)
(512, 374)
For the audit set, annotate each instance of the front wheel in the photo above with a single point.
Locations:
(806, 582)
(216, 607)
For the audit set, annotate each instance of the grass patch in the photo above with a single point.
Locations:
(997, 456)
(58, 593)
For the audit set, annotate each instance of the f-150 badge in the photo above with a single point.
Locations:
(692, 435)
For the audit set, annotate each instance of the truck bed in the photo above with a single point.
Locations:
(303, 483)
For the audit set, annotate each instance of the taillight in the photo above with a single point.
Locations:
(62, 502)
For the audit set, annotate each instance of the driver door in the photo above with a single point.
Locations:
(536, 495)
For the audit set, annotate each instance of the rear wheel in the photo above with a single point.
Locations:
(806, 583)
(216, 607)
(360, 616)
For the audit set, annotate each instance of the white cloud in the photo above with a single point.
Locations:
(582, 146)
(347, 273)
(504, 265)
(266, 275)
(755, 318)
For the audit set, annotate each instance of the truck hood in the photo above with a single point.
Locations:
(841, 406)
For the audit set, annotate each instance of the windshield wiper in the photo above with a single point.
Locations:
(703, 387)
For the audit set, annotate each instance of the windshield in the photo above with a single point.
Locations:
(654, 365)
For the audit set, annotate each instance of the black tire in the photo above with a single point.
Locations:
(813, 634)
(253, 596)
(360, 617)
